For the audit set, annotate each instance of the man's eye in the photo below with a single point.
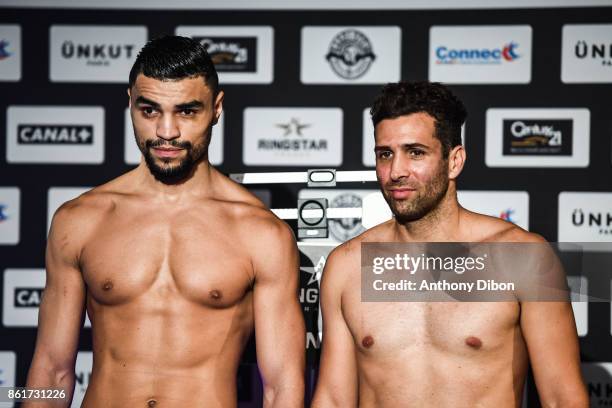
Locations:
(385, 154)
(148, 111)
(187, 112)
(417, 152)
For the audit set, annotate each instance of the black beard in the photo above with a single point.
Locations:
(173, 174)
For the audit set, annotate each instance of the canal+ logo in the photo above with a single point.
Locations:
(477, 56)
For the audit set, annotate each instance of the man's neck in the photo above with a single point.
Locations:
(439, 225)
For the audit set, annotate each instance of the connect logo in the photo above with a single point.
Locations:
(3, 216)
(3, 52)
(507, 215)
(447, 55)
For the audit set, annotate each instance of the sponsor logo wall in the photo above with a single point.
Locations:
(296, 84)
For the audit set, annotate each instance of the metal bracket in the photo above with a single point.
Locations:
(312, 218)
(322, 178)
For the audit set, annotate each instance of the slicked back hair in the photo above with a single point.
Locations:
(175, 58)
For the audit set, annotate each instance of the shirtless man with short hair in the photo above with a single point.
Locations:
(175, 263)
(435, 354)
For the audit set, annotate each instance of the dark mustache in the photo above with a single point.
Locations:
(165, 143)
(400, 185)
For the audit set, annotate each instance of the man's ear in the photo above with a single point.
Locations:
(218, 107)
(129, 97)
(456, 161)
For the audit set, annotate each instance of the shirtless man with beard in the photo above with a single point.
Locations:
(435, 354)
(175, 264)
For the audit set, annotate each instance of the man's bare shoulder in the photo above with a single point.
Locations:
(251, 220)
(76, 220)
(92, 203)
(484, 228)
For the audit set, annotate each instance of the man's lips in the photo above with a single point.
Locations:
(400, 193)
(167, 151)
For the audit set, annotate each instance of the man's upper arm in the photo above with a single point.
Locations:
(61, 311)
(337, 383)
(279, 324)
(549, 330)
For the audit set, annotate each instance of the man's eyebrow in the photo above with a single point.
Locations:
(189, 105)
(141, 100)
(405, 146)
(415, 146)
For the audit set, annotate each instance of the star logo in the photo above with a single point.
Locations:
(315, 272)
(293, 127)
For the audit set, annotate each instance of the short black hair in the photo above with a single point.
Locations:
(172, 58)
(405, 97)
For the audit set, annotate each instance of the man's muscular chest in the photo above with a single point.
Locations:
(195, 259)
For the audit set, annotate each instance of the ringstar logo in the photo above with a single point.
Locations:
(294, 127)
(3, 52)
(55, 134)
(292, 133)
(477, 56)
(292, 136)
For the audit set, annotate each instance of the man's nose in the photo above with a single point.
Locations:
(399, 168)
(167, 128)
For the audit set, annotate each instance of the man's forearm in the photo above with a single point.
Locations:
(288, 395)
(51, 379)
